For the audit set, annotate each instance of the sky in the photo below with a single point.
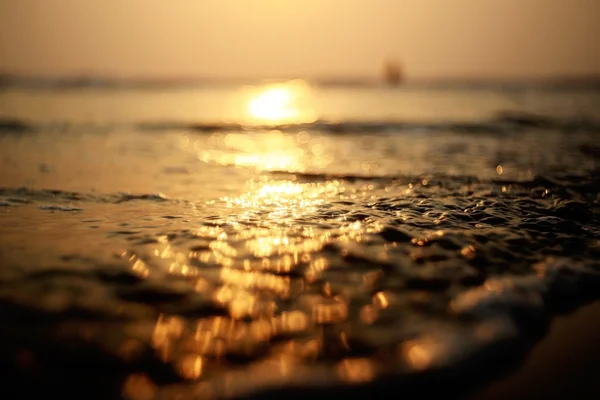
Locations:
(300, 38)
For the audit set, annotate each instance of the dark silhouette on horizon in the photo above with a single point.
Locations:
(393, 74)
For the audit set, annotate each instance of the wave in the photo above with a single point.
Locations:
(15, 125)
(503, 122)
(506, 122)
(468, 300)
(566, 184)
(24, 195)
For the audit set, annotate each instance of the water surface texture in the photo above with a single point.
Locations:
(219, 242)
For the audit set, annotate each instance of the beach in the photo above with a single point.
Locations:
(563, 365)
(290, 239)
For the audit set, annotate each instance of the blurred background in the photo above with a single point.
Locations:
(337, 39)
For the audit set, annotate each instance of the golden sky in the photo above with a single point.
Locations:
(300, 38)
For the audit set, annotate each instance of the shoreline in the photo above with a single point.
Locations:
(564, 364)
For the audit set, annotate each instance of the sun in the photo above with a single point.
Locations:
(283, 103)
(274, 104)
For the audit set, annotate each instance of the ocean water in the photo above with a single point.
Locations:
(288, 239)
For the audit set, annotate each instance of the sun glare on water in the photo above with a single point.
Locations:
(282, 103)
(272, 105)
(266, 145)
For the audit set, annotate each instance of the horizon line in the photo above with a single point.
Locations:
(7, 77)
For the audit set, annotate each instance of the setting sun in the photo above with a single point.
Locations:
(273, 105)
(281, 104)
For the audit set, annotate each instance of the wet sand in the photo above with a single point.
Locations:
(564, 365)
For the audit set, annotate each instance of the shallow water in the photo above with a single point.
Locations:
(149, 254)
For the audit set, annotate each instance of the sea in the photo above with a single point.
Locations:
(289, 239)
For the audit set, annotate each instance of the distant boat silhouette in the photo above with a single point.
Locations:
(393, 74)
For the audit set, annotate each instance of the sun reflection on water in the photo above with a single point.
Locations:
(272, 105)
(271, 150)
(282, 103)
(267, 146)
(258, 268)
